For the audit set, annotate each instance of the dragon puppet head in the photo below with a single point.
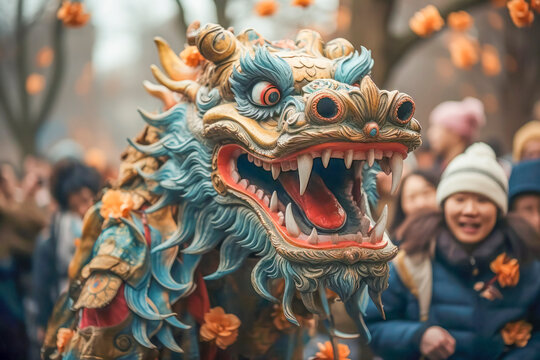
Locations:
(271, 149)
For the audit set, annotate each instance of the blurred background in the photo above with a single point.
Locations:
(71, 76)
(84, 82)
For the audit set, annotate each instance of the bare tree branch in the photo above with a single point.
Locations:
(6, 107)
(181, 18)
(56, 77)
(22, 71)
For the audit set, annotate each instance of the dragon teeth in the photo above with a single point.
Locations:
(274, 202)
(281, 218)
(244, 183)
(325, 157)
(349, 154)
(290, 222)
(371, 157)
(276, 170)
(396, 164)
(378, 230)
(313, 237)
(305, 164)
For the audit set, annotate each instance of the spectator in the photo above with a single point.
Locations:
(20, 222)
(454, 125)
(74, 186)
(524, 191)
(442, 300)
(527, 142)
(416, 193)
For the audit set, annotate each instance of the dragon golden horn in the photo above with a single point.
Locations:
(214, 42)
(172, 64)
(160, 92)
(188, 88)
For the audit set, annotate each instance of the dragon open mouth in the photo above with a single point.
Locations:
(315, 196)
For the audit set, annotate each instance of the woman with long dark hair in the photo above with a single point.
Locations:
(465, 284)
(416, 194)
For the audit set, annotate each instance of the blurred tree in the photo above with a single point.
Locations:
(20, 113)
(517, 85)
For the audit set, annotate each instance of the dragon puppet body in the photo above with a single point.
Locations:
(256, 178)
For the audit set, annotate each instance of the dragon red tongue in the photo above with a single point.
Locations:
(318, 203)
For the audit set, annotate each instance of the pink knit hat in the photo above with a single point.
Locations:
(463, 117)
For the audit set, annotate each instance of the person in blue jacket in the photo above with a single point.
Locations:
(466, 283)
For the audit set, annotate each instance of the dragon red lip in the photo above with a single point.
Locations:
(306, 190)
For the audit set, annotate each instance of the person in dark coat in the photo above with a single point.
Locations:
(524, 191)
(466, 282)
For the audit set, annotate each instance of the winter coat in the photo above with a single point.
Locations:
(474, 321)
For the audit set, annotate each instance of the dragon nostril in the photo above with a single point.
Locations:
(327, 108)
(405, 111)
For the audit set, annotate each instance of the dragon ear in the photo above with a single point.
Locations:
(215, 43)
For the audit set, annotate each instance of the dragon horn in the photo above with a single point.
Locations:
(188, 88)
(214, 42)
(160, 92)
(174, 67)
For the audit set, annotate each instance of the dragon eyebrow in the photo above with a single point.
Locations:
(263, 66)
(352, 68)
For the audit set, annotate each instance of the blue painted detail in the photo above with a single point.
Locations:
(262, 67)
(326, 84)
(207, 99)
(352, 68)
(373, 132)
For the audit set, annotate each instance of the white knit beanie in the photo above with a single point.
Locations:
(476, 171)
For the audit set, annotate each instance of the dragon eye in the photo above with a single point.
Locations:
(265, 94)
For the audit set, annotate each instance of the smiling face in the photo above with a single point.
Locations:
(470, 217)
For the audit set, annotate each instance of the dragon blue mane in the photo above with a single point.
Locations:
(206, 220)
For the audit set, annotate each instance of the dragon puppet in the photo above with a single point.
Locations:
(242, 210)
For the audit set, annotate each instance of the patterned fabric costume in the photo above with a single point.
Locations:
(242, 209)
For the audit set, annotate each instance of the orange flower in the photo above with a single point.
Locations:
(535, 4)
(63, 337)
(35, 83)
(517, 333)
(460, 20)
(266, 7)
(191, 56)
(506, 269)
(72, 14)
(490, 60)
(220, 327)
(426, 21)
(326, 352)
(45, 57)
(520, 13)
(116, 204)
(463, 52)
(302, 3)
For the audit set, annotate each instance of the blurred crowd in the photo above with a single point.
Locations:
(41, 210)
(466, 219)
(465, 283)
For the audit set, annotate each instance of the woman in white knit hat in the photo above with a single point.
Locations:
(466, 282)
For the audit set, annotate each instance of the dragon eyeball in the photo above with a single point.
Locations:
(264, 93)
